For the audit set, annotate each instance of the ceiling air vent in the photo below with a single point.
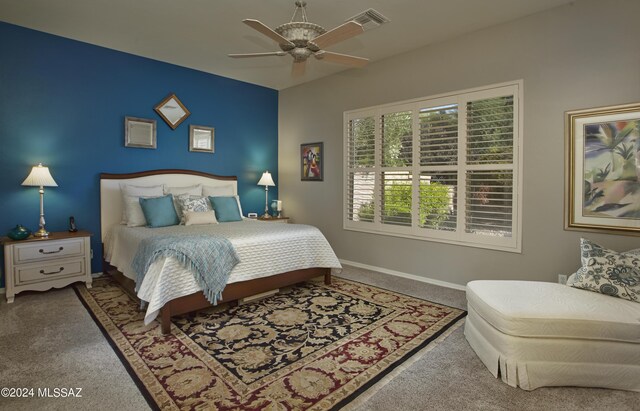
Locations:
(369, 19)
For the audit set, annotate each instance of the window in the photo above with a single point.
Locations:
(443, 168)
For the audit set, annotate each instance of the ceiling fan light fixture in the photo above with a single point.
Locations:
(302, 39)
(300, 53)
(300, 32)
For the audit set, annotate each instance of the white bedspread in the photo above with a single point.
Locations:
(264, 249)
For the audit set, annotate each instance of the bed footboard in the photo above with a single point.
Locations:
(235, 291)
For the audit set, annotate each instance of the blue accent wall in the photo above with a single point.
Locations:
(63, 103)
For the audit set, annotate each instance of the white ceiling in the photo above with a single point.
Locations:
(200, 33)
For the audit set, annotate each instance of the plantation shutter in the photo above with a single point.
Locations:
(395, 188)
(438, 168)
(489, 206)
(361, 143)
(443, 168)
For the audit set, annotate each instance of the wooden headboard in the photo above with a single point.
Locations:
(111, 199)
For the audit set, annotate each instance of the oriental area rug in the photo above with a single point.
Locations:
(309, 347)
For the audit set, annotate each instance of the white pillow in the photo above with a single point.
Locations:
(135, 215)
(138, 191)
(225, 190)
(199, 217)
(195, 190)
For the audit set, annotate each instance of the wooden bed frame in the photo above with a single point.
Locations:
(231, 294)
(195, 301)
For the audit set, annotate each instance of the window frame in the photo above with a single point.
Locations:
(459, 236)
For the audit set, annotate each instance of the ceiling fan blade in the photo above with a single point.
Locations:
(259, 26)
(298, 68)
(340, 33)
(245, 55)
(342, 58)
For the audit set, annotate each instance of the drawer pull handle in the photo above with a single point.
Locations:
(41, 251)
(52, 272)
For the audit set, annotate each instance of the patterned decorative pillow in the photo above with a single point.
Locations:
(608, 272)
(195, 191)
(193, 204)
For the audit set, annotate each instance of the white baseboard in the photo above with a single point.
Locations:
(405, 275)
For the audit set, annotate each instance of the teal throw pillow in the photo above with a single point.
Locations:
(159, 211)
(226, 209)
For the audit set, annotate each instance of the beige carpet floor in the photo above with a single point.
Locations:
(48, 340)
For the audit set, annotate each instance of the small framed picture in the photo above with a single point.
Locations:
(139, 132)
(311, 163)
(172, 111)
(603, 169)
(201, 139)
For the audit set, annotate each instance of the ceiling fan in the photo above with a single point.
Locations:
(302, 39)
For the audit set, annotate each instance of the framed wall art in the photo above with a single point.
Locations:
(603, 169)
(139, 132)
(311, 165)
(172, 111)
(201, 139)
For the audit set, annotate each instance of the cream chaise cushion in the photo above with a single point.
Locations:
(539, 309)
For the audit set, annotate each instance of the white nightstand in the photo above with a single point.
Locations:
(42, 263)
(275, 219)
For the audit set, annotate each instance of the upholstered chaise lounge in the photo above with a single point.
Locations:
(536, 334)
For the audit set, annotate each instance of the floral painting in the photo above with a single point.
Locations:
(311, 161)
(605, 168)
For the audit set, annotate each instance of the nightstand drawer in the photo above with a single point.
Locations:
(38, 251)
(35, 273)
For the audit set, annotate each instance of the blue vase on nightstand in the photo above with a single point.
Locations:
(20, 232)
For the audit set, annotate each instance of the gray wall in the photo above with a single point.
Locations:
(576, 56)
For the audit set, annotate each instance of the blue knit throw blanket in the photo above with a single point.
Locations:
(210, 258)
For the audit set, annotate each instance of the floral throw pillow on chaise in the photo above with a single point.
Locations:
(608, 272)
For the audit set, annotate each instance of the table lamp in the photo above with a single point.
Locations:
(266, 181)
(40, 177)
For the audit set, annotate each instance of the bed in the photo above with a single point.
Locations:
(272, 255)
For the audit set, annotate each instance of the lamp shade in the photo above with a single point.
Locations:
(266, 180)
(40, 177)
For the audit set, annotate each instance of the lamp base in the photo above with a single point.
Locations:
(266, 216)
(41, 233)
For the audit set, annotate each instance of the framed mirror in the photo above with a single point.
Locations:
(172, 111)
(201, 139)
(139, 132)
